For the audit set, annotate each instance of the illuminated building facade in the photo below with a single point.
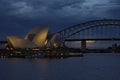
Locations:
(36, 38)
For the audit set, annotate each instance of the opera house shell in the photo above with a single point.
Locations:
(37, 37)
(16, 42)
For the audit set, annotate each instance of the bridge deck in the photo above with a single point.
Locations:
(97, 39)
(3, 42)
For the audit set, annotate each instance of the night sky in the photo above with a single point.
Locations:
(17, 17)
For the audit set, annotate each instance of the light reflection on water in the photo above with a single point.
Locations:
(90, 67)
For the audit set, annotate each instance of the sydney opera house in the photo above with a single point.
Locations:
(36, 38)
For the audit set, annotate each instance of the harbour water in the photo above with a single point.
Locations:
(97, 66)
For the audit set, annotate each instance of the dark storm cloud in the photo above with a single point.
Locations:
(30, 13)
(115, 1)
(114, 9)
(39, 9)
(19, 16)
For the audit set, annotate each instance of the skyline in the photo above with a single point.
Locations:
(18, 17)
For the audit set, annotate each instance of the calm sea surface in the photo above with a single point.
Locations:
(90, 67)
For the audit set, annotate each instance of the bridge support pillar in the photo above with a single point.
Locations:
(83, 45)
(114, 48)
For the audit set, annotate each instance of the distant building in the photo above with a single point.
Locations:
(36, 38)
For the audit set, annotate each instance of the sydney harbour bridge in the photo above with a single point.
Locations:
(96, 30)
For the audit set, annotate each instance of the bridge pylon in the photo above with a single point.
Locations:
(83, 45)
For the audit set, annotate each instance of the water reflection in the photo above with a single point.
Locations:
(90, 67)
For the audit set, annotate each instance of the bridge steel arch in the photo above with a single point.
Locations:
(66, 33)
